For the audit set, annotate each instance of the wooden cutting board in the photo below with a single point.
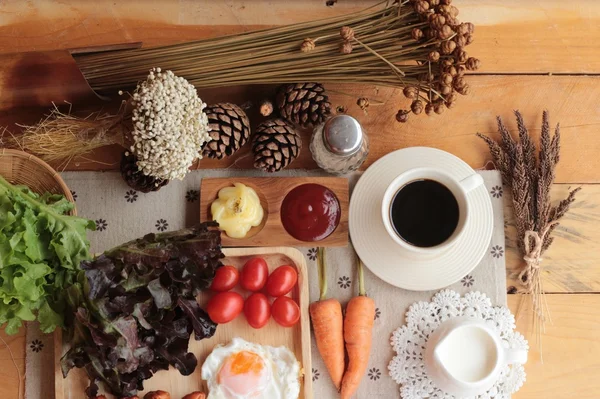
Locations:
(272, 191)
(296, 338)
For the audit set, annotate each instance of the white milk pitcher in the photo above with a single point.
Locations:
(464, 356)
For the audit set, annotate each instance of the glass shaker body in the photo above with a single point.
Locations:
(339, 145)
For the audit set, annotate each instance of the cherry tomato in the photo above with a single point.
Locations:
(281, 281)
(254, 274)
(257, 310)
(285, 311)
(225, 306)
(225, 279)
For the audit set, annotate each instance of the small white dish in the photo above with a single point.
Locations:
(396, 264)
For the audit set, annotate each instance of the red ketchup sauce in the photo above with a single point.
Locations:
(310, 212)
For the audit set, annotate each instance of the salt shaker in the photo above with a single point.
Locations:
(340, 145)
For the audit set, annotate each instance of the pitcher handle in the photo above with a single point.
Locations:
(471, 182)
(516, 356)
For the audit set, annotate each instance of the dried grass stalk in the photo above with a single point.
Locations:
(531, 180)
(61, 137)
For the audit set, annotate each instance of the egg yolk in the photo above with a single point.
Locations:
(243, 375)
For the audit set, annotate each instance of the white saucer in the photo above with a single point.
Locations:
(396, 265)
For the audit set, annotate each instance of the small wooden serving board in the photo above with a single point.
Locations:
(296, 338)
(272, 191)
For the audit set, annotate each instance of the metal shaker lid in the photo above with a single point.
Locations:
(342, 135)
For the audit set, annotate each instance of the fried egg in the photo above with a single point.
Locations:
(245, 370)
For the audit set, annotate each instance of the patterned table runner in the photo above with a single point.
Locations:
(123, 214)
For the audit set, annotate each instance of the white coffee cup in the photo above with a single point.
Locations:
(464, 356)
(459, 188)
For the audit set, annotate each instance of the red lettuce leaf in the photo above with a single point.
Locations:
(136, 308)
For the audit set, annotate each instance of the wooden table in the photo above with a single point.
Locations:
(535, 55)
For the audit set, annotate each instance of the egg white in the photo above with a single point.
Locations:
(280, 362)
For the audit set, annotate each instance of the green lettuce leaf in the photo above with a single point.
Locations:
(41, 247)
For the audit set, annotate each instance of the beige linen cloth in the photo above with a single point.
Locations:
(122, 214)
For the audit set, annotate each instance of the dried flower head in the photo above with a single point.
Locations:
(363, 103)
(452, 71)
(402, 115)
(346, 47)
(460, 54)
(464, 90)
(444, 9)
(411, 92)
(169, 125)
(446, 79)
(472, 64)
(438, 21)
(429, 109)
(417, 34)
(421, 6)
(307, 45)
(461, 70)
(460, 40)
(470, 27)
(468, 39)
(462, 29)
(451, 100)
(433, 3)
(347, 33)
(445, 90)
(459, 81)
(433, 56)
(445, 32)
(447, 62)
(417, 107)
(439, 107)
(448, 47)
(430, 33)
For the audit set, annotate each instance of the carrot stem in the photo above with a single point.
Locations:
(361, 278)
(322, 269)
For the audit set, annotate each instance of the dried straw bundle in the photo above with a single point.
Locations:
(418, 45)
(530, 179)
(61, 137)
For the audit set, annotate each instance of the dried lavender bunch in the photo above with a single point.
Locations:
(530, 179)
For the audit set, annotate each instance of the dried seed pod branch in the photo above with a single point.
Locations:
(407, 43)
(530, 179)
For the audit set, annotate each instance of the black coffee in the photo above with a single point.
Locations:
(424, 213)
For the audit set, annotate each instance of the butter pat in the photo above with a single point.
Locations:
(237, 209)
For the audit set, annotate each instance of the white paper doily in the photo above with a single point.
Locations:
(407, 368)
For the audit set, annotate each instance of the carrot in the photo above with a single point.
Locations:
(358, 329)
(326, 316)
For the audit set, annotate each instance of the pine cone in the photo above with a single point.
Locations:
(135, 178)
(304, 104)
(275, 145)
(229, 129)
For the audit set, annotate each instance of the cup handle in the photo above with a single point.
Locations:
(471, 182)
(516, 356)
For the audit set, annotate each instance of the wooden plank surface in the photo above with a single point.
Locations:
(571, 364)
(513, 36)
(571, 263)
(9, 374)
(571, 100)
